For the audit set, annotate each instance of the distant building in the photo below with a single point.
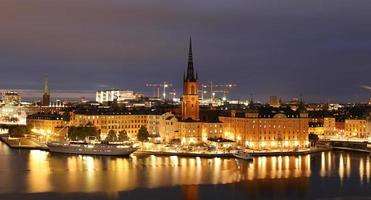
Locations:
(11, 97)
(104, 96)
(274, 101)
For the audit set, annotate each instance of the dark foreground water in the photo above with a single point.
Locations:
(42, 175)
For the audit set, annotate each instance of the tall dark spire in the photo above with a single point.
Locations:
(190, 71)
(46, 86)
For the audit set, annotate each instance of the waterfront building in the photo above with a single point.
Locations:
(47, 125)
(329, 126)
(168, 127)
(355, 128)
(130, 121)
(190, 126)
(267, 128)
(13, 114)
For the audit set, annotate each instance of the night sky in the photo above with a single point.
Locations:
(318, 48)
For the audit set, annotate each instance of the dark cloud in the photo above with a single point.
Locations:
(320, 49)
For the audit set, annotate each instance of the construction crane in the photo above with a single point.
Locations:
(157, 87)
(215, 88)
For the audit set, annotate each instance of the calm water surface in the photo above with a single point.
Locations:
(43, 175)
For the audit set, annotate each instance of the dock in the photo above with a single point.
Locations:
(22, 143)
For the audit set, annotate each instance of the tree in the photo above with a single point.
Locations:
(123, 136)
(82, 132)
(313, 139)
(66, 116)
(17, 130)
(111, 136)
(143, 134)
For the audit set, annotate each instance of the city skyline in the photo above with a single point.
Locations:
(319, 53)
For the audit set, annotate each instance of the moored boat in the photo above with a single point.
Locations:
(92, 148)
(243, 155)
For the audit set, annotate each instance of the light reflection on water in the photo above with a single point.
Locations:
(39, 171)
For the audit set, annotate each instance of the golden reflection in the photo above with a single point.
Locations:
(348, 166)
(368, 170)
(341, 167)
(39, 172)
(307, 166)
(322, 172)
(274, 171)
(329, 161)
(361, 170)
(111, 175)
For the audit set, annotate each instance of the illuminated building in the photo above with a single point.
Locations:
(11, 97)
(190, 105)
(329, 126)
(47, 125)
(104, 96)
(168, 127)
(274, 101)
(316, 128)
(13, 114)
(116, 121)
(190, 126)
(267, 128)
(46, 95)
(345, 128)
(355, 128)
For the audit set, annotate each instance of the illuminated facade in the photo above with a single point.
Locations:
(345, 128)
(13, 114)
(355, 128)
(168, 127)
(117, 122)
(190, 104)
(190, 127)
(47, 125)
(11, 97)
(271, 129)
(103, 96)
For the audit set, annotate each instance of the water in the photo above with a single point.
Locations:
(43, 175)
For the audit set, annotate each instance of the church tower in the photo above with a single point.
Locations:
(46, 96)
(190, 106)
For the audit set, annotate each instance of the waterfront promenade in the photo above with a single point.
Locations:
(28, 143)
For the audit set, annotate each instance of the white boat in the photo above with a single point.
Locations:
(243, 155)
(92, 148)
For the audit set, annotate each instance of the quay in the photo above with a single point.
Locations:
(22, 143)
(29, 144)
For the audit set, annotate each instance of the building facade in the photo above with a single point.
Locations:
(118, 121)
(47, 125)
(275, 129)
(104, 96)
(355, 128)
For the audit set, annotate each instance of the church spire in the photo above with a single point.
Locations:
(190, 70)
(46, 86)
(46, 96)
